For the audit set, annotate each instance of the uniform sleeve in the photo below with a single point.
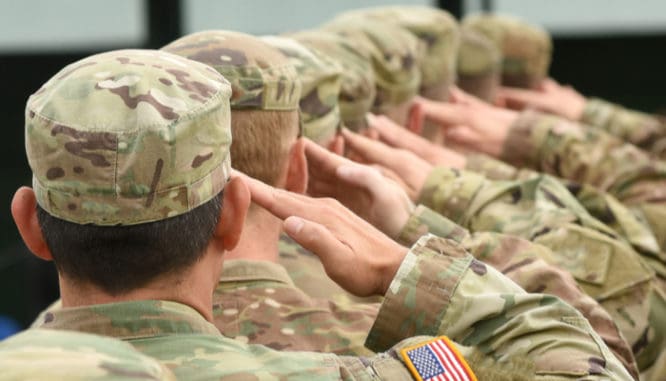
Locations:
(441, 290)
(635, 127)
(552, 145)
(527, 264)
(494, 169)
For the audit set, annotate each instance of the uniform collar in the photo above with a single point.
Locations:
(129, 320)
(241, 270)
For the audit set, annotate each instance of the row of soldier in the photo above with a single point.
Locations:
(375, 209)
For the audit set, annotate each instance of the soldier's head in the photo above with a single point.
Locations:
(320, 78)
(439, 35)
(479, 65)
(45, 354)
(357, 87)
(264, 103)
(526, 49)
(395, 56)
(130, 153)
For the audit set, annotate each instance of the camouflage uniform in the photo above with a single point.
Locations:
(601, 205)
(526, 49)
(527, 46)
(564, 348)
(176, 111)
(251, 293)
(44, 354)
(479, 65)
(643, 130)
(542, 210)
(556, 146)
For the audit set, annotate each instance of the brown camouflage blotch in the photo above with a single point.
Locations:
(200, 159)
(197, 87)
(597, 365)
(311, 104)
(55, 173)
(478, 267)
(87, 141)
(153, 184)
(132, 102)
(213, 57)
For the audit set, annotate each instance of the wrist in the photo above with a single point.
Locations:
(388, 268)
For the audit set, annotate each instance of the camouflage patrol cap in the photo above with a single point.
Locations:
(526, 49)
(436, 28)
(358, 90)
(479, 65)
(394, 53)
(261, 77)
(128, 137)
(45, 354)
(320, 78)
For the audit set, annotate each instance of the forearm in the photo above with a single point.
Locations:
(632, 126)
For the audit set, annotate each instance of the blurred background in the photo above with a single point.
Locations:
(607, 48)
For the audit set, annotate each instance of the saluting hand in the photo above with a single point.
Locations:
(358, 257)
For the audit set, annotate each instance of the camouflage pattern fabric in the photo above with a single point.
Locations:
(638, 128)
(526, 49)
(589, 156)
(436, 28)
(601, 205)
(261, 77)
(358, 90)
(321, 78)
(395, 55)
(522, 262)
(479, 65)
(257, 302)
(477, 306)
(121, 166)
(45, 354)
(543, 211)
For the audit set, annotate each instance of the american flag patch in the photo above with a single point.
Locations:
(437, 360)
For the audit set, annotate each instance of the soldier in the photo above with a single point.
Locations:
(44, 354)
(479, 65)
(253, 288)
(128, 201)
(528, 51)
(526, 48)
(539, 209)
(395, 55)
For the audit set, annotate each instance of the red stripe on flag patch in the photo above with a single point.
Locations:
(437, 360)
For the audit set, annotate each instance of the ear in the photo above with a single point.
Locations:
(416, 116)
(235, 203)
(337, 145)
(24, 212)
(297, 170)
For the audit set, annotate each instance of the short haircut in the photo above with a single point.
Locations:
(119, 259)
(261, 141)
